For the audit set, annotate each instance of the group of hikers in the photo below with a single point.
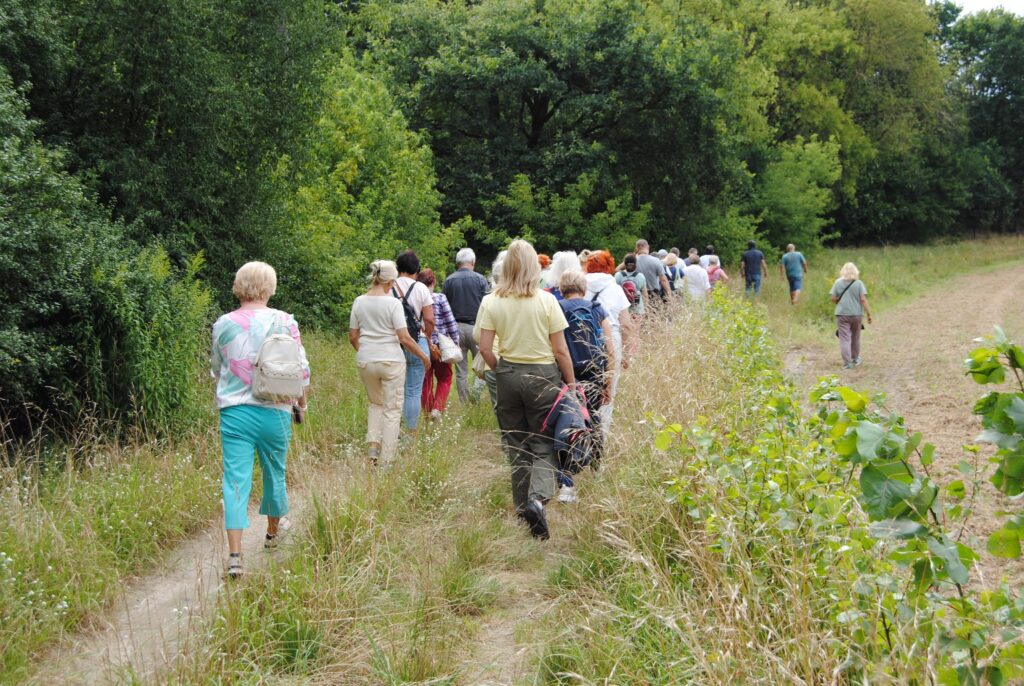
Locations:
(548, 338)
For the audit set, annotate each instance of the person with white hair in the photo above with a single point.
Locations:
(716, 274)
(696, 278)
(465, 288)
(250, 421)
(561, 262)
(850, 296)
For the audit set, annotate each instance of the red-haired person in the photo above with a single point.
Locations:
(602, 289)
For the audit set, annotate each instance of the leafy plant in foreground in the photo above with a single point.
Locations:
(838, 521)
(974, 637)
(1002, 418)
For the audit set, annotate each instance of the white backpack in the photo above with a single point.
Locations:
(277, 372)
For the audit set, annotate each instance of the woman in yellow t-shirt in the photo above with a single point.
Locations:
(532, 362)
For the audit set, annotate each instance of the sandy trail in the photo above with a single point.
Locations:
(144, 628)
(914, 353)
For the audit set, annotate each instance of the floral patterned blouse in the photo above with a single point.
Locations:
(237, 337)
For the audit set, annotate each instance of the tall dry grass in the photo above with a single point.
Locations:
(656, 594)
(390, 577)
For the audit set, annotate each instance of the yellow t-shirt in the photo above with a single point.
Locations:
(523, 326)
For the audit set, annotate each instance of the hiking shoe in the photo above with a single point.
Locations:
(567, 494)
(848, 365)
(435, 414)
(235, 569)
(856, 362)
(533, 513)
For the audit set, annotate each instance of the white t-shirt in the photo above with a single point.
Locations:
(612, 298)
(378, 317)
(696, 280)
(419, 297)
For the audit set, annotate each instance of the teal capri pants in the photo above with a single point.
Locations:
(267, 431)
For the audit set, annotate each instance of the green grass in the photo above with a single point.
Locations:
(893, 275)
(68, 536)
(77, 518)
(395, 572)
(390, 579)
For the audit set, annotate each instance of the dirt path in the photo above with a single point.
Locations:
(141, 633)
(914, 353)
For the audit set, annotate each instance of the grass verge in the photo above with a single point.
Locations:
(70, 534)
(387, 581)
(77, 519)
(727, 543)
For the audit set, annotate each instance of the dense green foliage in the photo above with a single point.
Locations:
(91, 321)
(317, 136)
(708, 120)
(1002, 416)
(782, 546)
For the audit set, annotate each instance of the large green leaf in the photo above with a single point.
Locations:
(923, 494)
(1016, 356)
(1015, 412)
(901, 529)
(855, 402)
(949, 553)
(1004, 543)
(870, 437)
(883, 497)
(1007, 483)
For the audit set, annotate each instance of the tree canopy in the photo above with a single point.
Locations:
(151, 148)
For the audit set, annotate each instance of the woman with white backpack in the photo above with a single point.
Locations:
(262, 379)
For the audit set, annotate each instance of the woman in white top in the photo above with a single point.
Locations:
(377, 330)
(602, 289)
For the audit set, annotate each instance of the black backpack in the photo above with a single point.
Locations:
(412, 320)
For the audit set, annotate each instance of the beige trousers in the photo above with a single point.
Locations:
(385, 387)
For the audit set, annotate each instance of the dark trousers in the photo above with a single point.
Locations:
(525, 395)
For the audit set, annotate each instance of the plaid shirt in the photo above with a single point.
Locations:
(444, 320)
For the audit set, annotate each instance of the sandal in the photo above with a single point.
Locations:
(271, 540)
(235, 569)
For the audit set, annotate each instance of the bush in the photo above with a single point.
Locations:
(90, 322)
(364, 190)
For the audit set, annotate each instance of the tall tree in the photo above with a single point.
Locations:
(575, 95)
(988, 50)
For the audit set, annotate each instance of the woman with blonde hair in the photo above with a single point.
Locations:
(534, 362)
(378, 331)
(850, 296)
(247, 423)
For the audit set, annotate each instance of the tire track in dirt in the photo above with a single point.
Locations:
(914, 353)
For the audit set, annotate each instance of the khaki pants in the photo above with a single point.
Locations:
(468, 345)
(385, 386)
(525, 395)
(848, 328)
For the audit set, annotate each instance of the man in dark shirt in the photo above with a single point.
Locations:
(753, 268)
(465, 289)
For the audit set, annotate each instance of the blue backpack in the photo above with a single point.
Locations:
(584, 336)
